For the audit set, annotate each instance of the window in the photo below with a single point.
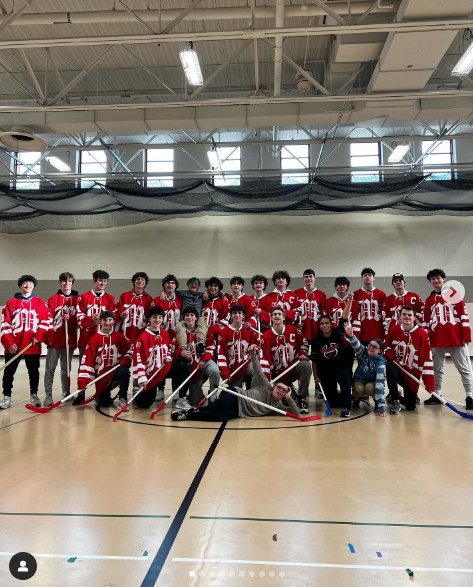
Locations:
(295, 157)
(159, 161)
(441, 153)
(30, 158)
(230, 160)
(365, 155)
(92, 162)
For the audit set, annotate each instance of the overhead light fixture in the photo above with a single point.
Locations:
(398, 153)
(465, 63)
(213, 158)
(58, 163)
(191, 65)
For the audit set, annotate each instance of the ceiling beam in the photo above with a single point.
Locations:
(411, 26)
(32, 75)
(352, 78)
(14, 15)
(79, 76)
(326, 8)
(181, 16)
(136, 17)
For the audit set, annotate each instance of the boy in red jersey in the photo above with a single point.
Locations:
(371, 301)
(401, 297)
(446, 320)
(260, 304)
(282, 296)
(25, 320)
(133, 307)
(172, 303)
(237, 297)
(311, 303)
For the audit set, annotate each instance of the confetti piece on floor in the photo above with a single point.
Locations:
(352, 550)
(409, 572)
(72, 559)
(379, 555)
(145, 553)
(275, 537)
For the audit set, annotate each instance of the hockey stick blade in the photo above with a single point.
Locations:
(328, 411)
(158, 410)
(462, 414)
(40, 410)
(88, 400)
(307, 419)
(120, 411)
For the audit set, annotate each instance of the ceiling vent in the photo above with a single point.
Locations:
(22, 138)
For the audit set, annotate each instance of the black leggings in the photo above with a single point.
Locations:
(32, 364)
(178, 372)
(394, 376)
(222, 409)
(329, 379)
(120, 376)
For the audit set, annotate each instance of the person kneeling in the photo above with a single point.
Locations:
(229, 406)
(370, 375)
(104, 351)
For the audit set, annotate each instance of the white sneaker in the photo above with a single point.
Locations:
(6, 403)
(35, 401)
(160, 396)
(48, 400)
(121, 403)
(183, 404)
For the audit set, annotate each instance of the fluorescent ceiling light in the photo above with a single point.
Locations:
(191, 66)
(398, 153)
(465, 63)
(58, 164)
(213, 158)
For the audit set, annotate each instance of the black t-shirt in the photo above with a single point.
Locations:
(329, 351)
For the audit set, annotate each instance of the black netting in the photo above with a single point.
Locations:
(120, 203)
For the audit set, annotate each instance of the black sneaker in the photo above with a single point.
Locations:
(376, 407)
(432, 401)
(303, 409)
(200, 349)
(417, 399)
(469, 402)
(344, 413)
(80, 397)
(356, 405)
(179, 415)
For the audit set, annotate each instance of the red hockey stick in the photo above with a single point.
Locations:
(226, 380)
(282, 412)
(57, 404)
(16, 356)
(172, 395)
(439, 397)
(141, 389)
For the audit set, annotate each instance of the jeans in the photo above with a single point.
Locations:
(32, 364)
(394, 376)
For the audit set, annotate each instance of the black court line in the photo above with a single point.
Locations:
(162, 554)
(19, 421)
(291, 427)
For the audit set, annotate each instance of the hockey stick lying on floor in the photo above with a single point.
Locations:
(328, 411)
(68, 397)
(226, 381)
(172, 395)
(140, 390)
(439, 397)
(15, 357)
(282, 412)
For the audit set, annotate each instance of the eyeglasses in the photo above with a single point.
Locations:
(373, 346)
(282, 389)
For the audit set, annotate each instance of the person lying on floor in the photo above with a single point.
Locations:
(229, 406)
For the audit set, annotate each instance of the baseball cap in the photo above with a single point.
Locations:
(193, 280)
(398, 276)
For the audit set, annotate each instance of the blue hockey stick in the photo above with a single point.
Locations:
(328, 411)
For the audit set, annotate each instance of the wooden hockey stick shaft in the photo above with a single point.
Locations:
(16, 356)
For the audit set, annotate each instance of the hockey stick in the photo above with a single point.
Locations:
(140, 390)
(57, 404)
(328, 411)
(439, 397)
(172, 395)
(282, 412)
(16, 356)
(66, 326)
(226, 380)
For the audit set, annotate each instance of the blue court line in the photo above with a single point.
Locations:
(19, 421)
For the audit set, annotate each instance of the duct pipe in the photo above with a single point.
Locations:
(278, 39)
(198, 14)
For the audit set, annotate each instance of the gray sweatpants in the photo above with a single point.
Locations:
(301, 372)
(52, 358)
(461, 362)
(210, 372)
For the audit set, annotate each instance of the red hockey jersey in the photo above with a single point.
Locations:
(392, 308)
(311, 304)
(371, 312)
(243, 300)
(103, 352)
(287, 300)
(137, 307)
(23, 319)
(281, 350)
(149, 356)
(265, 303)
(58, 305)
(447, 324)
(233, 348)
(172, 311)
(412, 351)
(192, 347)
(215, 311)
(334, 307)
(89, 304)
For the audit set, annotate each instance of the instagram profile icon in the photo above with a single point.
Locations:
(453, 292)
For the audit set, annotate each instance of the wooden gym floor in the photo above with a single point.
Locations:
(138, 502)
